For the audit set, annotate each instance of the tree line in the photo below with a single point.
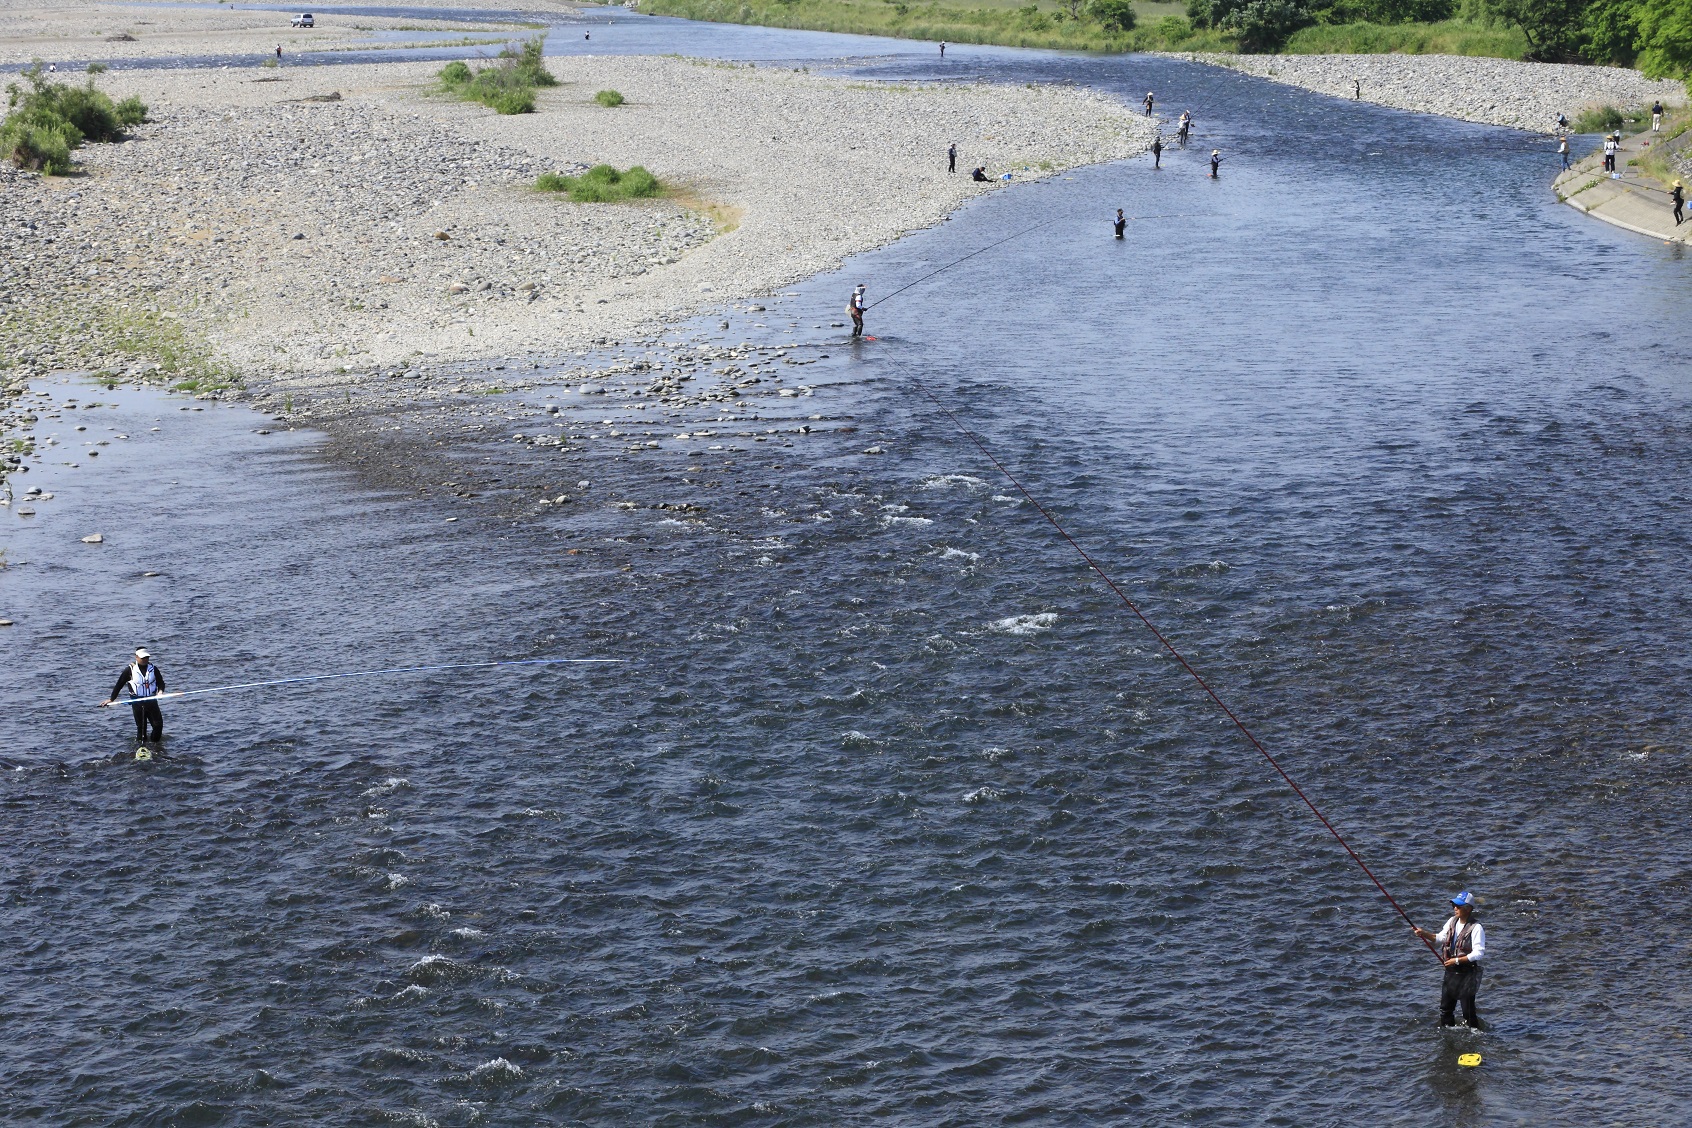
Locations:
(1653, 35)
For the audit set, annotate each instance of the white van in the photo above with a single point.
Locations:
(304, 19)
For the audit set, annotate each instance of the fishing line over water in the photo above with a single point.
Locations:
(1210, 692)
(371, 674)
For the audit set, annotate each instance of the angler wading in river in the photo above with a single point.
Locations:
(144, 681)
(1460, 945)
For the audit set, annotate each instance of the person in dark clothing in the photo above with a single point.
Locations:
(1215, 163)
(1460, 945)
(1357, 88)
(942, 50)
(1678, 195)
(1121, 223)
(1157, 152)
(145, 681)
(979, 173)
(1149, 101)
(952, 157)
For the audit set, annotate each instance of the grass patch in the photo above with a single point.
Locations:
(48, 119)
(1447, 37)
(723, 217)
(508, 87)
(610, 99)
(1608, 119)
(187, 363)
(602, 184)
(1089, 25)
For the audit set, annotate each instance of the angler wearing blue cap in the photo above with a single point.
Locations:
(1460, 946)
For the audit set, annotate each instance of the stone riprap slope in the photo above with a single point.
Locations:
(393, 225)
(1493, 91)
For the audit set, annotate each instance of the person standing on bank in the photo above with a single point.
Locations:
(952, 157)
(1460, 946)
(144, 680)
(1678, 195)
(1656, 117)
(855, 307)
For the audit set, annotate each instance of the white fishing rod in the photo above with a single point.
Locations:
(363, 674)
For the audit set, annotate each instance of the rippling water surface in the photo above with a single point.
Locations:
(895, 816)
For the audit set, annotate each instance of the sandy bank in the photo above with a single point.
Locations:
(306, 237)
(1493, 91)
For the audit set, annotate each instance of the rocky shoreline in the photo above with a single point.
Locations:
(309, 231)
(1491, 91)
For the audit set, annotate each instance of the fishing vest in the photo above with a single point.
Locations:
(144, 685)
(1460, 941)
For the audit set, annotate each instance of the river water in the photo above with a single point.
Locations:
(894, 815)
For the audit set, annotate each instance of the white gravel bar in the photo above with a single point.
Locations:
(385, 223)
(1494, 91)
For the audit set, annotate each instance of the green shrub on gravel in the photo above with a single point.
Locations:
(45, 122)
(602, 184)
(610, 99)
(1599, 119)
(509, 86)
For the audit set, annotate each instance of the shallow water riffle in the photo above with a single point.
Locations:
(894, 813)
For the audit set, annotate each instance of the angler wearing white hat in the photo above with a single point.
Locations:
(145, 681)
(1459, 946)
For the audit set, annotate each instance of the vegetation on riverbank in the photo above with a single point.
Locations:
(602, 184)
(49, 119)
(1655, 35)
(508, 87)
(1083, 25)
(1447, 37)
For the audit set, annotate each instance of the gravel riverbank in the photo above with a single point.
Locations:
(1494, 91)
(315, 224)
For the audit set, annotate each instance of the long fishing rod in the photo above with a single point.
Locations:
(1215, 698)
(1008, 238)
(367, 674)
(966, 258)
(1170, 647)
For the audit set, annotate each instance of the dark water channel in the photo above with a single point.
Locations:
(895, 816)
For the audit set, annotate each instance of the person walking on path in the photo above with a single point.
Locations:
(1149, 101)
(1656, 117)
(1157, 151)
(1678, 195)
(145, 682)
(1563, 151)
(1215, 164)
(952, 157)
(1120, 223)
(1460, 946)
(855, 307)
